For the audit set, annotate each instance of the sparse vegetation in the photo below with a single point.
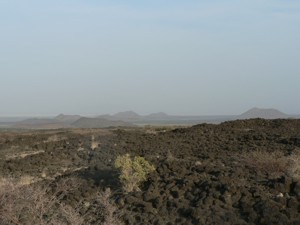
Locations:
(294, 166)
(133, 171)
(36, 204)
(94, 145)
(112, 216)
(273, 164)
(238, 172)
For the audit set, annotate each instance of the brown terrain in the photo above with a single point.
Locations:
(236, 173)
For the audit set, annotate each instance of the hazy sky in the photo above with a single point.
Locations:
(181, 57)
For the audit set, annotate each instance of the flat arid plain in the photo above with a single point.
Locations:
(236, 172)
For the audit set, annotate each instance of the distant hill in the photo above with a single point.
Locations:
(158, 116)
(85, 122)
(263, 113)
(67, 118)
(162, 118)
(68, 121)
(37, 123)
(128, 116)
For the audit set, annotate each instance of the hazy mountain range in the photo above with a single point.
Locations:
(85, 122)
(130, 118)
(68, 121)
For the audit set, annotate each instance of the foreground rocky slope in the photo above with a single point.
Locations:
(239, 172)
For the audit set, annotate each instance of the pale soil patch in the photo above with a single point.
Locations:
(22, 181)
(94, 144)
(55, 138)
(91, 131)
(27, 180)
(23, 154)
(63, 171)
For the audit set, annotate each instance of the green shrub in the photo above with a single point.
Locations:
(133, 171)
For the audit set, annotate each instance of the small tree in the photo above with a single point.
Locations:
(133, 172)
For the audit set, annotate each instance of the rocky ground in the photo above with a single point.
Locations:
(239, 172)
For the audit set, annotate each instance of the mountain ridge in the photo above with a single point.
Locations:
(131, 118)
(67, 118)
(85, 122)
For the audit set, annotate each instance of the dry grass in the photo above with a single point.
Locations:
(273, 164)
(26, 180)
(94, 144)
(33, 204)
(112, 216)
(55, 138)
(294, 166)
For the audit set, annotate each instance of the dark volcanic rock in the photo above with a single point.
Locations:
(199, 177)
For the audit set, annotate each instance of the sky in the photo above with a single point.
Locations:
(193, 57)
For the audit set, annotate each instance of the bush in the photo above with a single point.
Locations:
(133, 172)
(272, 164)
(294, 165)
(34, 204)
(37, 204)
(111, 213)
